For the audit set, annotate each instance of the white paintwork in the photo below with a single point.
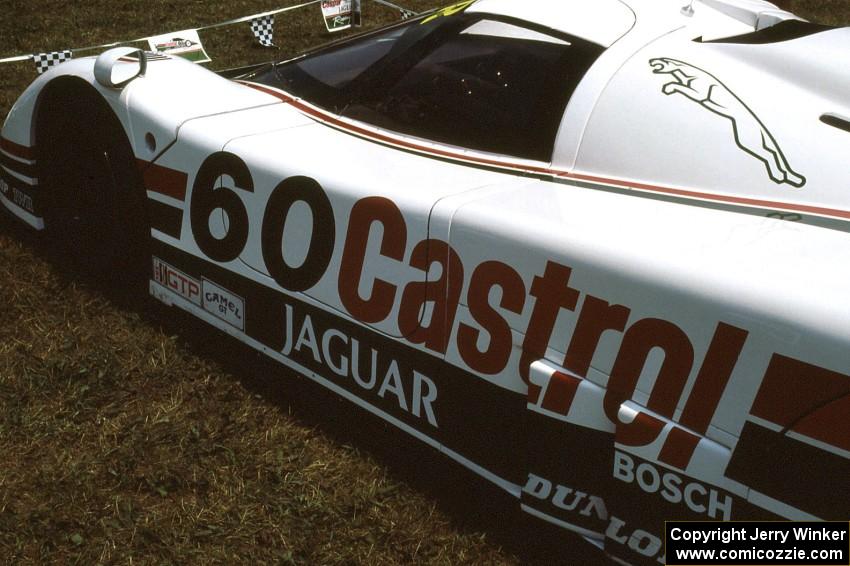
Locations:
(650, 200)
(634, 106)
(161, 112)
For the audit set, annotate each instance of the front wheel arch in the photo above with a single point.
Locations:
(93, 195)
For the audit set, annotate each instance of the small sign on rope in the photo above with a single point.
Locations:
(185, 43)
(340, 14)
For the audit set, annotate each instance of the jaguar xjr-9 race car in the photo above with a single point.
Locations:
(597, 252)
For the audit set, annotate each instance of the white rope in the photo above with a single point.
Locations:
(399, 8)
(249, 18)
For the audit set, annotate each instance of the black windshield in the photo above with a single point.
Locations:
(471, 80)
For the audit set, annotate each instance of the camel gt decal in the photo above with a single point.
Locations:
(750, 134)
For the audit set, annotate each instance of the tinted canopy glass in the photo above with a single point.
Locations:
(471, 80)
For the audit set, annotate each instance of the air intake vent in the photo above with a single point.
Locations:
(836, 122)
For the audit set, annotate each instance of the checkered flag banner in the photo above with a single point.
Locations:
(263, 29)
(44, 61)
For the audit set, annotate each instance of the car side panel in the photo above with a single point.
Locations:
(677, 330)
(372, 322)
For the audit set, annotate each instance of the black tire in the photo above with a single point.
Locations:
(94, 200)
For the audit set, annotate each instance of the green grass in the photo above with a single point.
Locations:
(830, 12)
(134, 436)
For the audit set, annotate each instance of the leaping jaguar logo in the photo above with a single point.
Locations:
(750, 134)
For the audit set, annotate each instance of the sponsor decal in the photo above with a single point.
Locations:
(591, 514)
(227, 306)
(185, 43)
(644, 494)
(571, 458)
(23, 200)
(622, 539)
(700, 499)
(17, 196)
(689, 378)
(551, 293)
(177, 281)
(706, 370)
(423, 392)
(333, 352)
(566, 498)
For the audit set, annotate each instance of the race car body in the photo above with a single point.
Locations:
(596, 252)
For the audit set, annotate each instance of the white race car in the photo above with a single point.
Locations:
(598, 251)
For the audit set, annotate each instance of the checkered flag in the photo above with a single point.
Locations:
(44, 61)
(263, 29)
(405, 14)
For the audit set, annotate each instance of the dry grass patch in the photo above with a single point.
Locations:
(121, 444)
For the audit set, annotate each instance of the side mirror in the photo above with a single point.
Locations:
(117, 67)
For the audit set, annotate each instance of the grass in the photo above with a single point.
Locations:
(134, 436)
(122, 443)
(830, 12)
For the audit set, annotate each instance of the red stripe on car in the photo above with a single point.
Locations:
(17, 150)
(684, 193)
(163, 180)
